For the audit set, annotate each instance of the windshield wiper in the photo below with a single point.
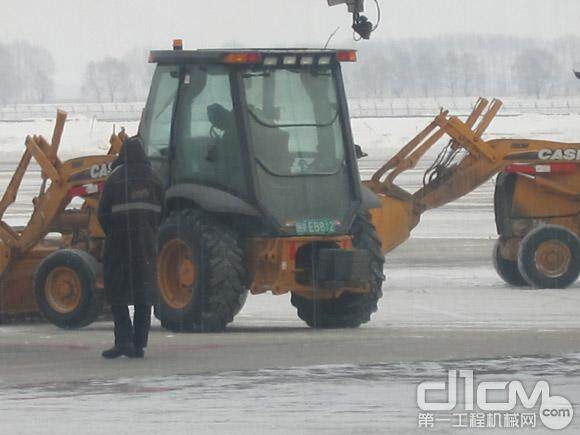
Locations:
(269, 125)
(257, 74)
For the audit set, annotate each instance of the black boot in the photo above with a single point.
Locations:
(138, 352)
(116, 352)
(141, 325)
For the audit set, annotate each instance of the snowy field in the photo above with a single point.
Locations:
(444, 308)
(380, 138)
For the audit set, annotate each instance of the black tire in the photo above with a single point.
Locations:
(218, 292)
(350, 310)
(507, 269)
(89, 305)
(531, 269)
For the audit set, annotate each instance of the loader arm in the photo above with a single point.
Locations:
(82, 177)
(464, 164)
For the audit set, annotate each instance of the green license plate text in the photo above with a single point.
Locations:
(315, 226)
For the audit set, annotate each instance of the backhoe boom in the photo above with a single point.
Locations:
(464, 164)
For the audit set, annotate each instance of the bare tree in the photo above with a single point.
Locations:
(7, 76)
(471, 73)
(108, 80)
(141, 70)
(534, 69)
(91, 82)
(452, 72)
(401, 74)
(42, 81)
(429, 67)
(33, 71)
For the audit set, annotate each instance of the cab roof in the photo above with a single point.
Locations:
(246, 55)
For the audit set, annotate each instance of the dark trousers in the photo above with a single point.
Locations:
(127, 334)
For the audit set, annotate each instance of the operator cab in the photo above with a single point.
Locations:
(261, 133)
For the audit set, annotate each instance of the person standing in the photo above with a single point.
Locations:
(130, 213)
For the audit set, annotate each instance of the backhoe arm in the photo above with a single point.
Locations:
(463, 165)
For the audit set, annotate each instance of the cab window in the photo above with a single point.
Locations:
(206, 133)
(155, 128)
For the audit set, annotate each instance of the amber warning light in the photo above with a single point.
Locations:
(346, 56)
(243, 57)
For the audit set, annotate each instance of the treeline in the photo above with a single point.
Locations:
(397, 68)
(118, 79)
(26, 73)
(465, 66)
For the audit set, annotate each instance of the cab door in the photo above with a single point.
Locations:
(156, 121)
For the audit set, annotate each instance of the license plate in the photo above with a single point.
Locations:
(315, 226)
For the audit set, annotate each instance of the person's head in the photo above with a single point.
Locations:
(132, 152)
(220, 117)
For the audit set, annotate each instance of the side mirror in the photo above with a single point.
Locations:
(359, 152)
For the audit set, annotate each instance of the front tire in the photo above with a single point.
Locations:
(200, 274)
(65, 288)
(350, 310)
(549, 257)
(507, 269)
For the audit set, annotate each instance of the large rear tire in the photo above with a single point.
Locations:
(200, 274)
(549, 257)
(65, 288)
(507, 269)
(350, 310)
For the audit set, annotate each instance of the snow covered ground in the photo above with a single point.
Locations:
(444, 308)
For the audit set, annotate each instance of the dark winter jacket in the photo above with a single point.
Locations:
(129, 213)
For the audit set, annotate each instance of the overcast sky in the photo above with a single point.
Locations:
(77, 31)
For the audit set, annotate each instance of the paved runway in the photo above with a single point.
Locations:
(442, 301)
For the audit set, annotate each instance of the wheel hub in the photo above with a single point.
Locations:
(177, 274)
(553, 258)
(63, 290)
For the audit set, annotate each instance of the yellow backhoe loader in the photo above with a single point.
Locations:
(58, 275)
(263, 194)
(537, 197)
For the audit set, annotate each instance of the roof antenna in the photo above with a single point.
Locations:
(331, 36)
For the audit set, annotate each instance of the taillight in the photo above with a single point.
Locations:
(346, 56)
(563, 168)
(551, 168)
(251, 57)
(520, 169)
(292, 249)
(85, 190)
